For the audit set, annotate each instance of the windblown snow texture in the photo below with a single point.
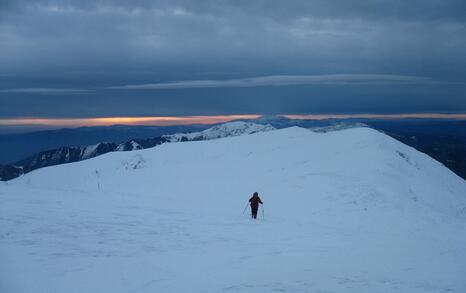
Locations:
(346, 211)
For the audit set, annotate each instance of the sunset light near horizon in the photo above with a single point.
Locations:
(187, 120)
(107, 121)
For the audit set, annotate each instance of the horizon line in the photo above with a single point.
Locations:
(124, 120)
(452, 116)
(205, 119)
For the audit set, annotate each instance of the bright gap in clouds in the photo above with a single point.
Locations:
(186, 120)
(107, 121)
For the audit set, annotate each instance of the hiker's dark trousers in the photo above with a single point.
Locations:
(254, 212)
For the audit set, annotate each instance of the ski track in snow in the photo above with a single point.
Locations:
(344, 212)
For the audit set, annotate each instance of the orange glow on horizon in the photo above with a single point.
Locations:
(107, 121)
(185, 120)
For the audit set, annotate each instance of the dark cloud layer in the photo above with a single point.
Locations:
(59, 53)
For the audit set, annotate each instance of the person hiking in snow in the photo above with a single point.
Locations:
(255, 200)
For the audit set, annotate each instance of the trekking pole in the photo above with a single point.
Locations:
(245, 208)
(263, 217)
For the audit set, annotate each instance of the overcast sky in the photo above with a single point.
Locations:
(149, 58)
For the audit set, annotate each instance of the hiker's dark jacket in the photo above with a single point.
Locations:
(255, 200)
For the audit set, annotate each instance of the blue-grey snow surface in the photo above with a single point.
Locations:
(345, 211)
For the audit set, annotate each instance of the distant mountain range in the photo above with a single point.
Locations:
(69, 154)
(444, 140)
(17, 146)
(223, 130)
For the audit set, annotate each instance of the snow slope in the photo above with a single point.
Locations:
(345, 211)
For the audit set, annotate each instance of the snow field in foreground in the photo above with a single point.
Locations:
(346, 211)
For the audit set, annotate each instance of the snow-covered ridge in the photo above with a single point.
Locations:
(223, 130)
(131, 145)
(89, 151)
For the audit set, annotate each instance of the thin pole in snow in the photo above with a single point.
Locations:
(245, 208)
(98, 182)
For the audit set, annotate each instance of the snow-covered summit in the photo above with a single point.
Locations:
(235, 128)
(345, 211)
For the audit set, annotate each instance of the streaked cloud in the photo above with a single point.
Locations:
(231, 56)
(46, 91)
(285, 80)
